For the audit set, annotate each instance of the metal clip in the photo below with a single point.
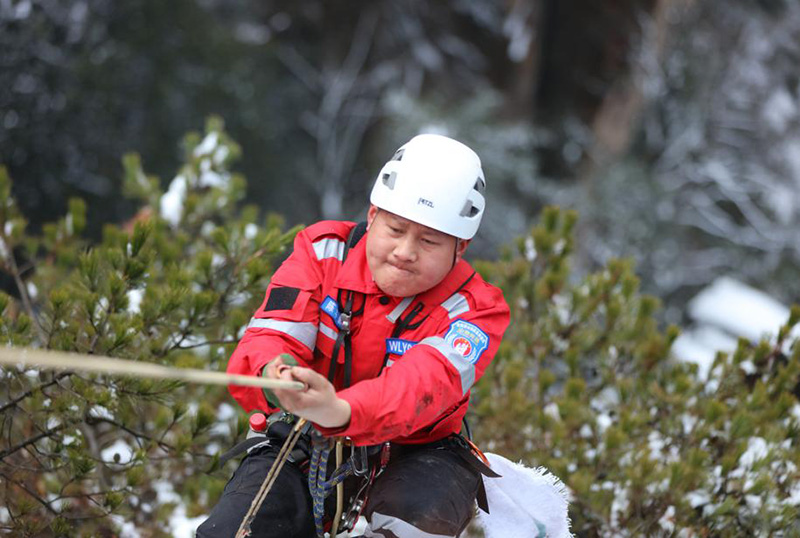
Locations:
(359, 460)
(344, 321)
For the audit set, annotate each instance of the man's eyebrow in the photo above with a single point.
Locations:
(433, 234)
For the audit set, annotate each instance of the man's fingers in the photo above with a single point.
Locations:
(309, 377)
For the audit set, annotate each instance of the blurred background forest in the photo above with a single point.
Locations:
(672, 126)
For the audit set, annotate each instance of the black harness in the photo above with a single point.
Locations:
(346, 315)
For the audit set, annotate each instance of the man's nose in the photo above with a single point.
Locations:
(405, 249)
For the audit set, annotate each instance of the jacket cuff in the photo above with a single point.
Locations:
(356, 412)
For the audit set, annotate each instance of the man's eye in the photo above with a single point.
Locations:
(430, 242)
(395, 230)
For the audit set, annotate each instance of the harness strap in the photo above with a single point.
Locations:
(346, 315)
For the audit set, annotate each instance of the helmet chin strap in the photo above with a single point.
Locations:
(455, 253)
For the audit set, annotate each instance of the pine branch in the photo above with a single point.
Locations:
(207, 343)
(139, 435)
(27, 490)
(30, 391)
(7, 452)
(23, 289)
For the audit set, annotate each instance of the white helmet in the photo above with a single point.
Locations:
(435, 181)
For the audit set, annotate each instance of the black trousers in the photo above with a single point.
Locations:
(426, 491)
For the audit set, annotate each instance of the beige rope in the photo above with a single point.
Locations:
(339, 489)
(60, 360)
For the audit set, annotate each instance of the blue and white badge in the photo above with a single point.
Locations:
(331, 307)
(397, 346)
(466, 338)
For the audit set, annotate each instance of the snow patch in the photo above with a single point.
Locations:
(530, 249)
(208, 145)
(551, 410)
(211, 178)
(667, 519)
(746, 312)
(171, 203)
(120, 448)
(181, 526)
(757, 450)
(603, 422)
(698, 498)
(135, 300)
(101, 412)
(127, 529)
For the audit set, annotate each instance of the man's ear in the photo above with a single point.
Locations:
(371, 214)
(461, 247)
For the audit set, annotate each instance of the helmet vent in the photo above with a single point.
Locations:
(480, 185)
(469, 210)
(388, 179)
(398, 155)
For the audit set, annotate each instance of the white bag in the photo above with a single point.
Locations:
(524, 502)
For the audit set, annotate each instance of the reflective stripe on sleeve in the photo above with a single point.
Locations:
(379, 522)
(465, 368)
(303, 332)
(329, 248)
(456, 305)
(399, 309)
(327, 331)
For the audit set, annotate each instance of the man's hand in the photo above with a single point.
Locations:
(318, 403)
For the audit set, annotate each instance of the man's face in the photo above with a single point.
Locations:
(407, 258)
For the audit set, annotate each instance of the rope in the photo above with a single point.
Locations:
(318, 486)
(60, 360)
(339, 490)
(277, 465)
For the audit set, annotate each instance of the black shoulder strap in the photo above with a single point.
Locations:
(346, 311)
(355, 236)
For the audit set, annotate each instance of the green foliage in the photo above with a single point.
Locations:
(585, 385)
(77, 448)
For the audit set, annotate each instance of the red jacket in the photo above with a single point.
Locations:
(423, 393)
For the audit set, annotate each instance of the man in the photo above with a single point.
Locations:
(389, 333)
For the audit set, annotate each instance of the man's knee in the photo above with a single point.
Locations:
(428, 494)
(285, 512)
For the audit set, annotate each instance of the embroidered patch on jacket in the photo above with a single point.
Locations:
(468, 339)
(397, 346)
(331, 307)
(281, 299)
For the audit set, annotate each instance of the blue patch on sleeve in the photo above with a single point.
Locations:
(468, 339)
(330, 307)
